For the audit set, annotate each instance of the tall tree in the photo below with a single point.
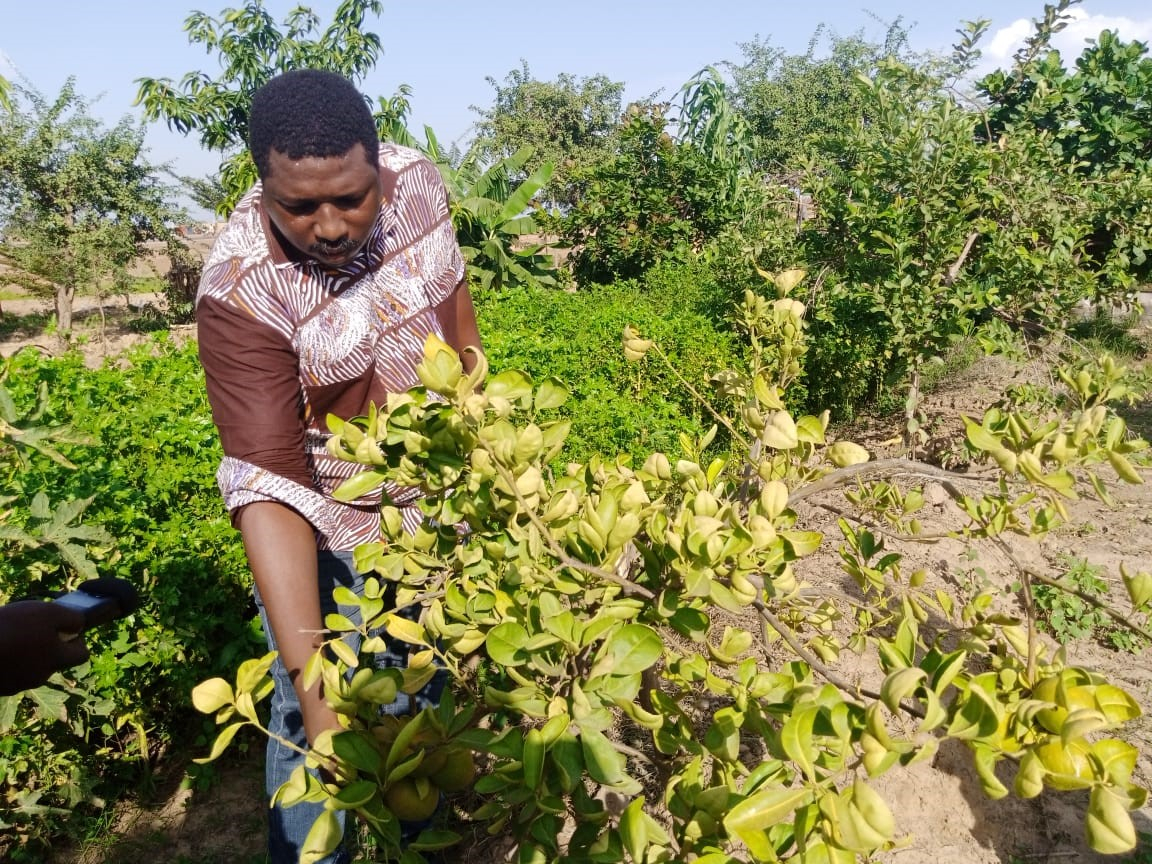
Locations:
(794, 101)
(252, 48)
(570, 122)
(1098, 116)
(77, 200)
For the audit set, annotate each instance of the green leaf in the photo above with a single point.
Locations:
(634, 829)
(519, 199)
(353, 748)
(355, 794)
(603, 761)
(796, 739)
(505, 643)
(630, 649)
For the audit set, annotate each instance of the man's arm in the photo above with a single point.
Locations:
(254, 390)
(457, 317)
(281, 549)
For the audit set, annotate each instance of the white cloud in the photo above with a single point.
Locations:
(1070, 42)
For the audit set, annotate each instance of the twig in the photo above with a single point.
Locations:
(954, 269)
(883, 466)
(882, 529)
(708, 405)
(557, 552)
(1094, 602)
(812, 660)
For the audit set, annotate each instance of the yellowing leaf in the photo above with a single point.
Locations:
(786, 280)
(1123, 468)
(979, 437)
(1108, 826)
(763, 809)
(845, 453)
(810, 430)
(212, 695)
(1139, 586)
(802, 542)
(323, 838)
(780, 431)
(405, 630)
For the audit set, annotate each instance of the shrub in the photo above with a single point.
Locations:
(149, 472)
(575, 337)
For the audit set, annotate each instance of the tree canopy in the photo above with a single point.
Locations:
(77, 200)
(571, 122)
(252, 48)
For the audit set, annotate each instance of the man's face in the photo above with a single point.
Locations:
(325, 208)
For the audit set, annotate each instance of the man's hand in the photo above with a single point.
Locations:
(37, 639)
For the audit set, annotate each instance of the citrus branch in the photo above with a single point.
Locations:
(840, 683)
(720, 418)
(558, 552)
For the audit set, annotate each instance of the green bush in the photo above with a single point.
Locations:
(149, 471)
(617, 407)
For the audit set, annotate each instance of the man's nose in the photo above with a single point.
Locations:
(330, 227)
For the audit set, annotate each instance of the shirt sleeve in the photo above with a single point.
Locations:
(253, 387)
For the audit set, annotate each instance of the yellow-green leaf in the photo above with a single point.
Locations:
(212, 695)
(845, 453)
(1108, 826)
(323, 838)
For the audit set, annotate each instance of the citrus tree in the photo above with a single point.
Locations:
(608, 627)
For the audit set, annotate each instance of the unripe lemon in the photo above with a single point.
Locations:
(403, 798)
(457, 772)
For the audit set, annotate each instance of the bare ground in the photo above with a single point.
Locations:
(939, 806)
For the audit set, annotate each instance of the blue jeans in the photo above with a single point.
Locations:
(289, 826)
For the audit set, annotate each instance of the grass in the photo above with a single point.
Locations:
(1119, 337)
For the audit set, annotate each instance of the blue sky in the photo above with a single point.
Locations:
(445, 51)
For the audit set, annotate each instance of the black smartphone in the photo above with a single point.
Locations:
(101, 600)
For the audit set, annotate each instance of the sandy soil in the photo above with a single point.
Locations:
(938, 805)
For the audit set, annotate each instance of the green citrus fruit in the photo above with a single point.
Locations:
(405, 800)
(432, 763)
(457, 772)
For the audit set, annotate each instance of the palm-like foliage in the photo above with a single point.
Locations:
(491, 215)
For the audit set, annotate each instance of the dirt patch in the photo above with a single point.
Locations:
(102, 329)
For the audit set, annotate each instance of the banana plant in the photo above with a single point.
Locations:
(491, 215)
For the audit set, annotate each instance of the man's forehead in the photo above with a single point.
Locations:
(350, 172)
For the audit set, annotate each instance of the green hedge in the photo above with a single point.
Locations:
(617, 406)
(150, 471)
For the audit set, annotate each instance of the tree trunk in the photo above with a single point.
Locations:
(64, 295)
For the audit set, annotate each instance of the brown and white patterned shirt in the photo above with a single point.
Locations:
(285, 342)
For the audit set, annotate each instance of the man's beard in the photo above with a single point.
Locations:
(332, 250)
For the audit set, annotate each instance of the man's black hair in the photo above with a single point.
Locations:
(309, 112)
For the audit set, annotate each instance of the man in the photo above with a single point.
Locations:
(317, 298)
